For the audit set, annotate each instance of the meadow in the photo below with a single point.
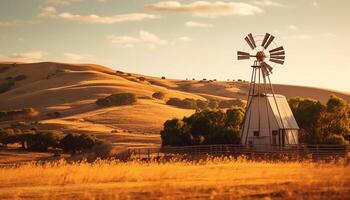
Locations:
(215, 178)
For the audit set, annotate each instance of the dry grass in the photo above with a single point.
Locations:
(210, 179)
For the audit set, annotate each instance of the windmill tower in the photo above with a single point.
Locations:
(268, 119)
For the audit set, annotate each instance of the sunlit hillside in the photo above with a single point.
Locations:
(72, 90)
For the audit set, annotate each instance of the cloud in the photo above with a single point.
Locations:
(144, 37)
(73, 57)
(61, 2)
(192, 24)
(185, 39)
(51, 12)
(292, 27)
(207, 9)
(315, 4)
(268, 3)
(14, 23)
(27, 56)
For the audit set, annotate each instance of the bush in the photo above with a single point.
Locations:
(117, 99)
(141, 78)
(19, 114)
(158, 95)
(163, 77)
(184, 103)
(119, 72)
(204, 127)
(230, 103)
(7, 136)
(201, 104)
(20, 77)
(53, 114)
(4, 69)
(6, 86)
(73, 143)
(40, 141)
(213, 104)
(336, 140)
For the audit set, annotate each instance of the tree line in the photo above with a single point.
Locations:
(319, 124)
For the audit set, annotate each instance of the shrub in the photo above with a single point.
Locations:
(7, 136)
(184, 103)
(163, 77)
(141, 78)
(53, 114)
(40, 141)
(158, 95)
(201, 104)
(230, 103)
(213, 104)
(74, 143)
(336, 140)
(119, 72)
(19, 114)
(6, 86)
(20, 77)
(117, 99)
(4, 69)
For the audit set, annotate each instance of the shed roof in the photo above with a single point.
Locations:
(287, 120)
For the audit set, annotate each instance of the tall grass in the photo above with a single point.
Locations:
(212, 178)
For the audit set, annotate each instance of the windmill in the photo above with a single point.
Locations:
(268, 119)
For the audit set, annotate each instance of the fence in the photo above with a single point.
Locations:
(265, 151)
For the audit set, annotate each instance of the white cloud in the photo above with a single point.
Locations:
(27, 56)
(268, 3)
(51, 12)
(292, 27)
(144, 37)
(16, 23)
(207, 9)
(315, 4)
(74, 58)
(61, 2)
(185, 39)
(192, 24)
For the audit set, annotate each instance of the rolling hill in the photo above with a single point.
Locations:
(72, 89)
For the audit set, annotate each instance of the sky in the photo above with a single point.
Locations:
(182, 39)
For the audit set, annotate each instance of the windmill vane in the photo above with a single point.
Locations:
(268, 119)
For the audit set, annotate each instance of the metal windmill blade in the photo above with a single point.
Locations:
(250, 40)
(277, 55)
(266, 68)
(242, 55)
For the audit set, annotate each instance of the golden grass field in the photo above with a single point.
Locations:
(207, 179)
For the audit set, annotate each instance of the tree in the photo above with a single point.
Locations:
(117, 99)
(73, 143)
(204, 127)
(175, 133)
(40, 141)
(322, 124)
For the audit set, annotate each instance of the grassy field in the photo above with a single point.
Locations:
(209, 179)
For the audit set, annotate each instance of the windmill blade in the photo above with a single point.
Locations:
(280, 53)
(243, 57)
(267, 66)
(269, 41)
(249, 43)
(266, 69)
(267, 35)
(277, 61)
(242, 53)
(277, 49)
(252, 40)
(278, 57)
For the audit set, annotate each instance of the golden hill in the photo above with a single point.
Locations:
(72, 89)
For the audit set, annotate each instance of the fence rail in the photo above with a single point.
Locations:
(267, 151)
